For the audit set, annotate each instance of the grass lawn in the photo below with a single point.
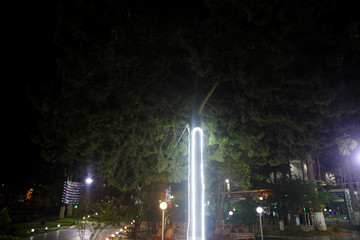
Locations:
(23, 230)
(350, 227)
(28, 225)
(319, 234)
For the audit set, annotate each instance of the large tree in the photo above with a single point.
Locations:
(271, 82)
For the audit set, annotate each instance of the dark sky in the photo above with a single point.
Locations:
(29, 60)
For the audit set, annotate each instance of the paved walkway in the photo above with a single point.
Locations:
(71, 233)
(348, 235)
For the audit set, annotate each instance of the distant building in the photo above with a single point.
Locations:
(340, 206)
(299, 170)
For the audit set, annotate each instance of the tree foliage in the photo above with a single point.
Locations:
(96, 216)
(282, 73)
(292, 196)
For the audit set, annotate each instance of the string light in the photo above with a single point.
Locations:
(72, 191)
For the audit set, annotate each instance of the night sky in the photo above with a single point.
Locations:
(29, 60)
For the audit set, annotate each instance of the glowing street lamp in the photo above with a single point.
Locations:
(88, 180)
(163, 207)
(358, 157)
(260, 210)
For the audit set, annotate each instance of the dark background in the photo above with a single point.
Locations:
(29, 59)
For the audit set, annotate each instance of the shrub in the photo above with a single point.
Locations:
(8, 237)
(335, 227)
(5, 219)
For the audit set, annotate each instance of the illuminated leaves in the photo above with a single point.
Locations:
(346, 145)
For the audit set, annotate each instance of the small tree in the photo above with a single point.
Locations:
(5, 218)
(245, 213)
(291, 196)
(105, 212)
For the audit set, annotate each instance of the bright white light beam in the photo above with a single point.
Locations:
(88, 180)
(358, 157)
(196, 225)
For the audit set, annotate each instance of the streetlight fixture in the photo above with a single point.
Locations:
(163, 207)
(88, 180)
(260, 210)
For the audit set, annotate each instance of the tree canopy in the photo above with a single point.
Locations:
(277, 80)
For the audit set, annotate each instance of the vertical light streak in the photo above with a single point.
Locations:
(189, 182)
(196, 187)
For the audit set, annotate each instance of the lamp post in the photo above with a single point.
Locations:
(163, 207)
(260, 210)
(88, 182)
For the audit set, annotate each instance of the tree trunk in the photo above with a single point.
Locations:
(357, 180)
(319, 221)
(357, 218)
(218, 191)
(292, 224)
(208, 95)
(318, 166)
(319, 216)
(281, 225)
(62, 212)
(342, 178)
(220, 203)
(350, 180)
(136, 228)
(357, 212)
(310, 168)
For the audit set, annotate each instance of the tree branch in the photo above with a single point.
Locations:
(208, 95)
